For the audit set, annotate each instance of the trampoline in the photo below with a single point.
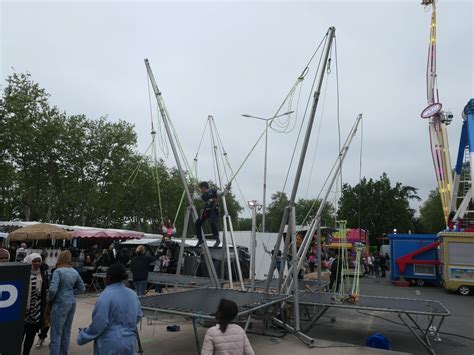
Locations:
(304, 285)
(407, 310)
(201, 303)
(181, 280)
(158, 278)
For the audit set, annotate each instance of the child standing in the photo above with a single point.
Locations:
(225, 337)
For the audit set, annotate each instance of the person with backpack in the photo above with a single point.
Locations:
(225, 337)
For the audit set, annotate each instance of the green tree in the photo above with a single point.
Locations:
(76, 170)
(378, 206)
(275, 211)
(29, 132)
(431, 214)
(306, 210)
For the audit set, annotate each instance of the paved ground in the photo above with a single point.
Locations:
(352, 327)
(156, 340)
(345, 336)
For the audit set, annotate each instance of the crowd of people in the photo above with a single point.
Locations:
(51, 301)
(376, 264)
(51, 305)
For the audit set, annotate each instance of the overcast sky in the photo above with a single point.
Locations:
(229, 58)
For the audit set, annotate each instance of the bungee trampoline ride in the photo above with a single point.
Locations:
(293, 305)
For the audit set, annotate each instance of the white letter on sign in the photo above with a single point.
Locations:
(13, 295)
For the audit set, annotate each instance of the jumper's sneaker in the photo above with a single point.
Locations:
(217, 243)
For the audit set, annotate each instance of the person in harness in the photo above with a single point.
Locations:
(169, 229)
(210, 211)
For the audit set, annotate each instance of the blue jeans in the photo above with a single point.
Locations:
(140, 287)
(62, 315)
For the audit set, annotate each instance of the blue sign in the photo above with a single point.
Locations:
(10, 301)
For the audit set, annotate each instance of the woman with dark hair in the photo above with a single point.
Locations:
(115, 317)
(36, 302)
(65, 283)
(226, 338)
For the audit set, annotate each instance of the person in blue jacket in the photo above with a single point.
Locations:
(115, 317)
(66, 283)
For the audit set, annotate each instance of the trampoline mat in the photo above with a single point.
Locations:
(171, 279)
(374, 303)
(302, 284)
(204, 301)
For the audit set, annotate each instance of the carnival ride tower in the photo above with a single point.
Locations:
(438, 121)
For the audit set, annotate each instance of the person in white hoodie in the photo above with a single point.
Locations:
(226, 338)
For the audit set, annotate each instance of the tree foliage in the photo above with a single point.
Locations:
(378, 206)
(76, 170)
(305, 211)
(431, 214)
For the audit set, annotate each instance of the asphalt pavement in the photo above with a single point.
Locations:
(353, 327)
(344, 336)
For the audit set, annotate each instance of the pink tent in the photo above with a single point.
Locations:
(104, 233)
(357, 235)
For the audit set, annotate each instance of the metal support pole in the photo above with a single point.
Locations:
(181, 246)
(182, 174)
(253, 242)
(304, 148)
(317, 93)
(236, 252)
(227, 252)
(296, 305)
(316, 223)
(225, 246)
(264, 202)
(300, 335)
(196, 336)
(286, 249)
(228, 227)
(319, 239)
(224, 255)
(275, 250)
(301, 255)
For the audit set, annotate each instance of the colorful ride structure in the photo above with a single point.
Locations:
(454, 188)
(448, 256)
(438, 121)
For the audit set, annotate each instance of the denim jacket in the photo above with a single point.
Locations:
(65, 284)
